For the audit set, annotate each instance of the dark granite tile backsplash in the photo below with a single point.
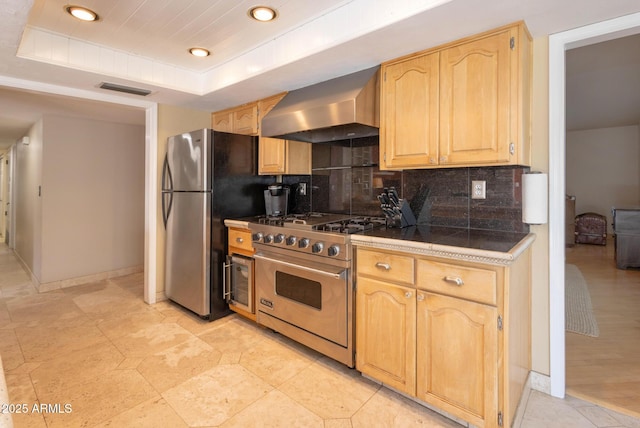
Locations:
(442, 197)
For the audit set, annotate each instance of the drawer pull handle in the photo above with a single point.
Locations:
(454, 280)
(239, 240)
(385, 266)
(408, 294)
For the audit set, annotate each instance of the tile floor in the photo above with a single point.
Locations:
(100, 357)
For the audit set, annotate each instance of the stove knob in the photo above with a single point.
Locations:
(303, 243)
(317, 247)
(291, 240)
(268, 239)
(256, 237)
(333, 250)
(279, 238)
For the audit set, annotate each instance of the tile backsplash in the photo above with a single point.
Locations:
(346, 179)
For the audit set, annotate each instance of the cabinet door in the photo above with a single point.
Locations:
(457, 357)
(245, 120)
(271, 156)
(475, 96)
(409, 113)
(222, 121)
(386, 333)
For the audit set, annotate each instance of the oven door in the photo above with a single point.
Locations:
(239, 282)
(309, 295)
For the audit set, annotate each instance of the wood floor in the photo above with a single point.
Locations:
(606, 370)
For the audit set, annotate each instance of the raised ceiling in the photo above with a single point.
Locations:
(144, 43)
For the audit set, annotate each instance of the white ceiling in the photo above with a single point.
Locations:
(144, 43)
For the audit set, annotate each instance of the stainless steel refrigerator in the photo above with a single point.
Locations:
(207, 176)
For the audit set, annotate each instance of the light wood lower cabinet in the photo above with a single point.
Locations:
(385, 332)
(454, 334)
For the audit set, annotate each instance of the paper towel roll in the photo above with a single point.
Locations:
(534, 198)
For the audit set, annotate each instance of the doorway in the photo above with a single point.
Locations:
(558, 44)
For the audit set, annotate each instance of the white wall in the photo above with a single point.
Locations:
(93, 197)
(603, 169)
(28, 176)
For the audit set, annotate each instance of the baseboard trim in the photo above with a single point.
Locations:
(540, 382)
(81, 280)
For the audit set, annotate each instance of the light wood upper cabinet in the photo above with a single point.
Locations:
(472, 110)
(238, 120)
(409, 106)
(277, 156)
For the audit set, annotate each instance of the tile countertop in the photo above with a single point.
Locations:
(486, 246)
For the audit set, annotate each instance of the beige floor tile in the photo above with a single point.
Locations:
(151, 340)
(107, 299)
(545, 411)
(21, 393)
(216, 395)
(274, 362)
(389, 409)
(179, 363)
(337, 423)
(273, 411)
(233, 335)
(153, 413)
(10, 350)
(99, 399)
(75, 368)
(43, 308)
(45, 343)
(118, 325)
(330, 389)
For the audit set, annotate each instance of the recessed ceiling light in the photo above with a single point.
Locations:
(82, 13)
(201, 52)
(262, 13)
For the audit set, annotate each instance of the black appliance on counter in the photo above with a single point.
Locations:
(207, 176)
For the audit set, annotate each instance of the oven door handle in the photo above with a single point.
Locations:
(305, 268)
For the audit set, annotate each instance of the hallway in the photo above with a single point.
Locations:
(116, 361)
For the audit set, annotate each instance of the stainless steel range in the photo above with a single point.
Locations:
(303, 276)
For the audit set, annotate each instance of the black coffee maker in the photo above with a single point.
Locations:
(276, 200)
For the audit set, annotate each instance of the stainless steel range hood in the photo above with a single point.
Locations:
(339, 109)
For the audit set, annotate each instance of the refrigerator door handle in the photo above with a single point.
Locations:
(166, 174)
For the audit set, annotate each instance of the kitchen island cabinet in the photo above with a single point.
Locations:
(466, 103)
(449, 328)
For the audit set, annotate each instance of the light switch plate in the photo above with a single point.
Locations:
(478, 189)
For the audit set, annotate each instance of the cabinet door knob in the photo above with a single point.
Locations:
(420, 297)
(408, 294)
(385, 266)
(239, 240)
(454, 280)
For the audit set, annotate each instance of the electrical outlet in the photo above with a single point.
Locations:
(302, 189)
(479, 189)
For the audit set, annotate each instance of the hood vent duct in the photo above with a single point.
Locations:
(339, 109)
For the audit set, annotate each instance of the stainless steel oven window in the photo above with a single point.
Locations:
(299, 289)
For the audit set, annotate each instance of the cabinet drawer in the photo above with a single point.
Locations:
(478, 285)
(385, 266)
(240, 239)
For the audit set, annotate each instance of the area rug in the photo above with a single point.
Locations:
(579, 316)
